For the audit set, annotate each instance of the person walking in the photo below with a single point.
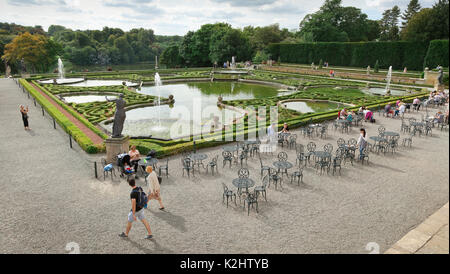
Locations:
(362, 143)
(138, 201)
(24, 112)
(154, 190)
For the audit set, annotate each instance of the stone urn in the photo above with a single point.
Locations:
(219, 100)
(55, 82)
(171, 99)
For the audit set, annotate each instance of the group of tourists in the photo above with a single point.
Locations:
(139, 199)
(399, 109)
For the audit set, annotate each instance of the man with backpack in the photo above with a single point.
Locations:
(138, 202)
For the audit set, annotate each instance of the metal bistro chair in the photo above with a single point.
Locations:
(244, 156)
(227, 157)
(275, 177)
(297, 175)
(255, 149)
(405, 127)
(323, 131)
(262, 188)
(292, 143)
(311, 148)
(213, 165)
(381, 129)
(340, 142)
(165, 167)
(188, 165)
(263, 167)
(282, 156)
(243, 173)
(364, 156)
(251, 200)
(301, 158)
(336, 163)
(110, 170)
(227, 193)
(407, 141)
(328, 148)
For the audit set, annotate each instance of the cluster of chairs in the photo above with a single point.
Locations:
(249, 197)
(189, 165)
(122, 159)
(311, 131)
(287, 139)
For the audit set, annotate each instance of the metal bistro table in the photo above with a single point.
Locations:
(390, 134)
(241, 183)
(198, 158)
(251, 142)
(323, 154)
(283, 165)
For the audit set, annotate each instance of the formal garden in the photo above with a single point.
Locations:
(266, 88)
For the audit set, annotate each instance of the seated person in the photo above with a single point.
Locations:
(388, 110)
(438, 118)
(135, 156)
(350, 116)
(368, 115)
(402, 109)
(285, 128)
(416, 103)
(343, 114)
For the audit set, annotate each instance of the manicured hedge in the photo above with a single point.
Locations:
(84, 141)
(355, 54)
(73, 113)
(437, 54)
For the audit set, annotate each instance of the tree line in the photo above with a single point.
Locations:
(217, 43)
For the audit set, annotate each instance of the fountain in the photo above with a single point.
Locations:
(158, 83)
(388, 81)
(61, 77)
(60, 69)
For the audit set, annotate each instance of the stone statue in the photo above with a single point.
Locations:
(119, 116)
(440, 78)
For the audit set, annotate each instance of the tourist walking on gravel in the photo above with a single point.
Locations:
(138, 201)
(24, 112)
(154, 190)
(362, 142)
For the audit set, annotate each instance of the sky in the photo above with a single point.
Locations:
(174, 17)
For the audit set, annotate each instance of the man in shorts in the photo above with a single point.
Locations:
(136, 211)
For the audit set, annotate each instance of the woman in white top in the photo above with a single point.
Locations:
(154, 191)
(362, 142)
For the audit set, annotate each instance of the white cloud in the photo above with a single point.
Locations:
(174, 16)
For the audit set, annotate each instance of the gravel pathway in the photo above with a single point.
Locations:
(52, 198)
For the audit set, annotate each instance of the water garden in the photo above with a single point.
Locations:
(159, 100)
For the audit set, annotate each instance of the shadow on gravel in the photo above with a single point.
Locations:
(158, 248)
(176, 221)
(31, 132)
(388, 167)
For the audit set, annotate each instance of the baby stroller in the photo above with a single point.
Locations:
(124, 165)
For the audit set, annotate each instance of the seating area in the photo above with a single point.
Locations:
(249, 176)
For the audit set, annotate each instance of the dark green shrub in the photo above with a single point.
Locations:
(92, 149)
(355, 54)
(437, 54)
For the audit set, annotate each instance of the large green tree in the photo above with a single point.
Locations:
(333, 22)
(413, 8)
(389, 30)
(428, 24)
